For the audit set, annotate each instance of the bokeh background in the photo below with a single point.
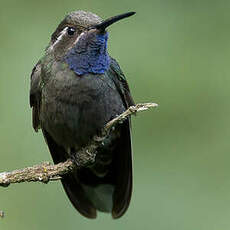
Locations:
(175, 53)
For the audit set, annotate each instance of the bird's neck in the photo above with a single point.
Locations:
(89, 55)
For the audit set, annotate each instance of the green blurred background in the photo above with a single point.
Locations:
(175, 53)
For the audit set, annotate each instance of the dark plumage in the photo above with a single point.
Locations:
(76, 88)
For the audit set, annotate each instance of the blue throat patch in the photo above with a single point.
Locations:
(89, 55)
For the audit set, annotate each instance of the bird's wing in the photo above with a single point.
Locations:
(35, 95)
(121, 83)
(123, 151)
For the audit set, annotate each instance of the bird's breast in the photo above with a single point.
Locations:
(75, 108)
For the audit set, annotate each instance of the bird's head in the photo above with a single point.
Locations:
(81, 40)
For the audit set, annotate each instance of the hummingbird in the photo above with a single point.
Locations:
(76, 88)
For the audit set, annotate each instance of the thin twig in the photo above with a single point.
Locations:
(46, 171)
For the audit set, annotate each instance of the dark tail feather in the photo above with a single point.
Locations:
(70, 182)
(77, 196)
(123, 172)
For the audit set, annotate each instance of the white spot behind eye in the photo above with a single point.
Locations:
(59, 38)
(79, 37)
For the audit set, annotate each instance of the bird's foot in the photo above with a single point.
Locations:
(84, 157)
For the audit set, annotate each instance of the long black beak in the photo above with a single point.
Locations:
(103, 25)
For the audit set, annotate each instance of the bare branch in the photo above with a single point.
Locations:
(46, 171)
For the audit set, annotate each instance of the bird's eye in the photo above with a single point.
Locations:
(71, 31)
